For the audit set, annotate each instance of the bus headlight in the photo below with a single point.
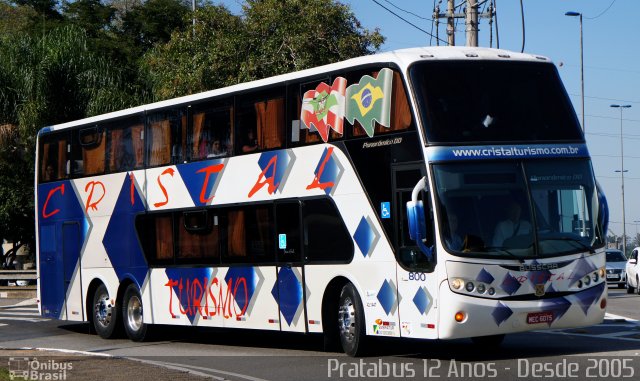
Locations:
(457, 283)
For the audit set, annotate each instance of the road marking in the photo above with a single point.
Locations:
(36, 313)
(2, 324)
(31, 320)
(617, 317)
(27, 302)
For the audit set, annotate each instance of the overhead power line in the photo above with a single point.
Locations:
(408, 22)
(406, 11)
(601, 13)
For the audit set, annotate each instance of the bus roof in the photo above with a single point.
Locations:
(403, 58)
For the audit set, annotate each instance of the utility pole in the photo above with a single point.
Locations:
(471, 16)
(451, 35)
(472, 23)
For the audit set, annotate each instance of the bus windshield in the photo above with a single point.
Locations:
(490, 101)
(517, 209)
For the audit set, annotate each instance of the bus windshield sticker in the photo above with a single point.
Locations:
(324, 107)
(370, 100)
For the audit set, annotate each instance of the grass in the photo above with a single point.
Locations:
(4, 375)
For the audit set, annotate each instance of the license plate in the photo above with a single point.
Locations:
(613, 276)
(539, 317)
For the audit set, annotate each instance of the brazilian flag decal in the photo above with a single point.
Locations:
(369, 101)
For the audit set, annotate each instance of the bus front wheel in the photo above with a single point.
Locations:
(351, 324)
(105, 313)
(132, 313)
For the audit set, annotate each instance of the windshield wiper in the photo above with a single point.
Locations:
(506, 251)
(580, 243)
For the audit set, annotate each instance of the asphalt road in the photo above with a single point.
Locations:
(608, 351)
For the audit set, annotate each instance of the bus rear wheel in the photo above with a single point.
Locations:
(132, 314)
(351, 324)
(105, 313)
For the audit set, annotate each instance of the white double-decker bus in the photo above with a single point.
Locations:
(431, 193)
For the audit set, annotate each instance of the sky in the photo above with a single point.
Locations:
(611, 71)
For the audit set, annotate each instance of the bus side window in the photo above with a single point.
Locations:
(125, 145)
(198, 237)
(156, 237)
(88, 150)
(53, 157)
(299, 132)
(211, 134)
(326, 238)
(400, 119)
(261, 120)
(249, 237)
(166, 144)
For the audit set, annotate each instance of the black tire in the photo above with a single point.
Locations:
(106, 319)
(493, 341)
(351, 323)
(132, 314)
(630, 289)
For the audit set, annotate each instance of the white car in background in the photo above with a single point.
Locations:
(615, 268)
(633, 272)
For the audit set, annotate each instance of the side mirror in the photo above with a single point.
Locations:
(603, 211)
(415, 219)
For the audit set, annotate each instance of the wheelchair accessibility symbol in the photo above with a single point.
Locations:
(385, 210)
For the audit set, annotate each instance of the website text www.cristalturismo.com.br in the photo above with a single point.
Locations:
(514, 151)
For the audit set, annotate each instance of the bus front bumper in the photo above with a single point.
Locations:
(483, 316)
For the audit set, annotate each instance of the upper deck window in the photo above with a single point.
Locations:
(490, 101)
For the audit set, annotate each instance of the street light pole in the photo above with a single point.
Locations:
(573, 14)
(622, 171)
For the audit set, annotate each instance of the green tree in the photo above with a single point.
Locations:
(284, 36)
(45, 81)
(153, 22)
(191, 63)
(271, 37)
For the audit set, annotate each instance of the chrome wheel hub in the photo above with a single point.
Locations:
(134, 313)
(347, 320)
(103, 310)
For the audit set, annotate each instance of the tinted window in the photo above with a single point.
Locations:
(53, 157)
(249, 235)
(198, 237)
(489, 101)
(212, 130)
(88, 151)
(155, 232)
(166, 137)
(324, 234)
(615, 256)
(260, 120)
(125, 144)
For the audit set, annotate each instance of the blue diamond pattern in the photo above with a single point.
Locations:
(366, 237)
(539, 277)
(510, 284)
(387, 296)
(239, 275)
(586, 298)
(485, 277)
(501, 313)
(583, 268)
(288, 293)
(421, 300)
(558, 306)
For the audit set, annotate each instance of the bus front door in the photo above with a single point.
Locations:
(416, 285)
(290, 292)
